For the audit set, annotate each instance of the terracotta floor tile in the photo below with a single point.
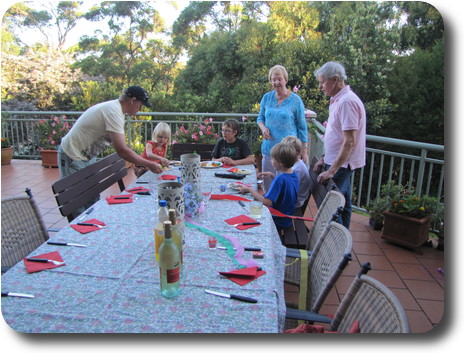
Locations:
(418, 322)
(412, 271)
(378, 262)
(433, 309)
(429, 290)
(389, 278)
(406, 299)
(399, 255)
(366, 248)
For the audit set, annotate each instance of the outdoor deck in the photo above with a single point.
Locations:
(413, 276)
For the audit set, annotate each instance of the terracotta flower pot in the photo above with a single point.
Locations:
(7, 155)
(407, 231)
(49, 158)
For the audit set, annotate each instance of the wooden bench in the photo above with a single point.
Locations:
(77, 189)
(204, 150)
(297, 235)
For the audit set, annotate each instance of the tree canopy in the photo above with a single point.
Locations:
(216, 57)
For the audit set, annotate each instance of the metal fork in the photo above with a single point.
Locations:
(36, 259)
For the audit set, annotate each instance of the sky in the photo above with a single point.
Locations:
(447, 337)
(168, 12)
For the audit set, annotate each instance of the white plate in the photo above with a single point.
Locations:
(210, 165)
(175, 163)
(239, 171)
(236, 186)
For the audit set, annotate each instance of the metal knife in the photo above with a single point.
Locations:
(89, 211)
(232, 296)
(11, 294)
(240, 202)
(65, 244)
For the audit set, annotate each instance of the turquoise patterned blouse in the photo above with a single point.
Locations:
(287, 119)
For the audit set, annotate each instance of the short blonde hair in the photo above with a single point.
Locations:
(278, 69)
(284, 154)
(295, 142)
(162, 128)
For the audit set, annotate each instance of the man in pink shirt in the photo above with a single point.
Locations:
(345, 135)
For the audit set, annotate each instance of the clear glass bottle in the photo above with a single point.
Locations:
(169, 264)
(163, 216)
(177, 232)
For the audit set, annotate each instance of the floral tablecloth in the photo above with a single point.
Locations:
(112, 285)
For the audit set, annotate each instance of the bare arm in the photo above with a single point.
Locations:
(119, 144)
(229, 161)
(154, 157)
(256, 195)
(349, 141)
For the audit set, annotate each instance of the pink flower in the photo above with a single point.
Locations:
(54, 132)
(244, 118)
(296, 88)
(324, 124)
(202, 127)
(201, 133)
(56, 119)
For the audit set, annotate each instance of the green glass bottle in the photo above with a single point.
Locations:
(169, 264)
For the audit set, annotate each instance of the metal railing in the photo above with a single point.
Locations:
(419, 165)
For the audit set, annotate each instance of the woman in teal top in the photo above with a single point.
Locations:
(281, 114)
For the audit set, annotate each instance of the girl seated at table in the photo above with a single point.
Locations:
(156, 149)
(232, 150)
(283, 193)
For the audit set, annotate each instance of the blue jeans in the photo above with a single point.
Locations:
(343, 180)
(67, 166)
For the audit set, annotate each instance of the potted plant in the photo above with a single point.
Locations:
(7, 151)
(376, 209)
(407, 218)
(195, 138)
(50, 132)
(381, 203)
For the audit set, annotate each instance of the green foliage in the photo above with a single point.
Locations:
(51, 131)
(5, 142)
(196, 133)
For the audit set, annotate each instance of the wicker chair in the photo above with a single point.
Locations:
(327, 262)
(23, 229)
(370, 302)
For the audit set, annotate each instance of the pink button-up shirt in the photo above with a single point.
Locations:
(346, 112)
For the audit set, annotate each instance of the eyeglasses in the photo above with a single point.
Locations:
(227, 131)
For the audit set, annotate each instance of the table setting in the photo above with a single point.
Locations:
(108, 277)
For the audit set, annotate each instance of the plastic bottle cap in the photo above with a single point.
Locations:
(162, 203)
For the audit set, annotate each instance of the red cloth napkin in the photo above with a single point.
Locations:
(240, 183)
(277, 213)
(88, 229)
(244, 275)
(137, 189)
(168, 177)
(114, 199)
(227, 166)
(39, 266)
(228, 197)
(242, 219)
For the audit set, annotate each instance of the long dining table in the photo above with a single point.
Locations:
(112, 284)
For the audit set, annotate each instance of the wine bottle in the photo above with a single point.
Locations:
(159, 230)
(169, 264)
(177, 232)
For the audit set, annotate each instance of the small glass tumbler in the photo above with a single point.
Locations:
(212, 242)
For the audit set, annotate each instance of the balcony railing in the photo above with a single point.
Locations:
(419, 165)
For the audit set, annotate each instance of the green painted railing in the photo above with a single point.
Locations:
(420, 165)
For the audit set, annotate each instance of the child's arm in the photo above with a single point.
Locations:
(256, 195)
(248, 160)
(154, 157)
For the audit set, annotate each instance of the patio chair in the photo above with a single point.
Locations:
(327, 262)
(78, 189)
(23, 229)
(299, 236)
(368, 301)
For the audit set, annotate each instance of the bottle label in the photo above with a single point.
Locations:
(173, 275)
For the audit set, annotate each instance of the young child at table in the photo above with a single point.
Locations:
(232, 150)
(283, 193)
(157, 148)
(302, 170)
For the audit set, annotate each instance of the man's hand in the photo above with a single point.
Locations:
(324, 177)
(155, 168)
(319, 166)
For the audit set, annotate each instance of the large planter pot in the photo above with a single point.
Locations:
(7, 155)
(49, 158)
(406, 231)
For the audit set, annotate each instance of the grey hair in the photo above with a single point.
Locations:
(330, 70)
(278, 69)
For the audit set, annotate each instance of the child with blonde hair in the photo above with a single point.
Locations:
(156, 149)
(301, 169)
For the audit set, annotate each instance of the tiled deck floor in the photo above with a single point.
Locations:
(413, 276)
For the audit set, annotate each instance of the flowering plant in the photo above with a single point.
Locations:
(402, 201)
(196, 133)
(5, 142)
(51, 131)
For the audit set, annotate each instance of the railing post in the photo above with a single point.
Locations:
(421, 172)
